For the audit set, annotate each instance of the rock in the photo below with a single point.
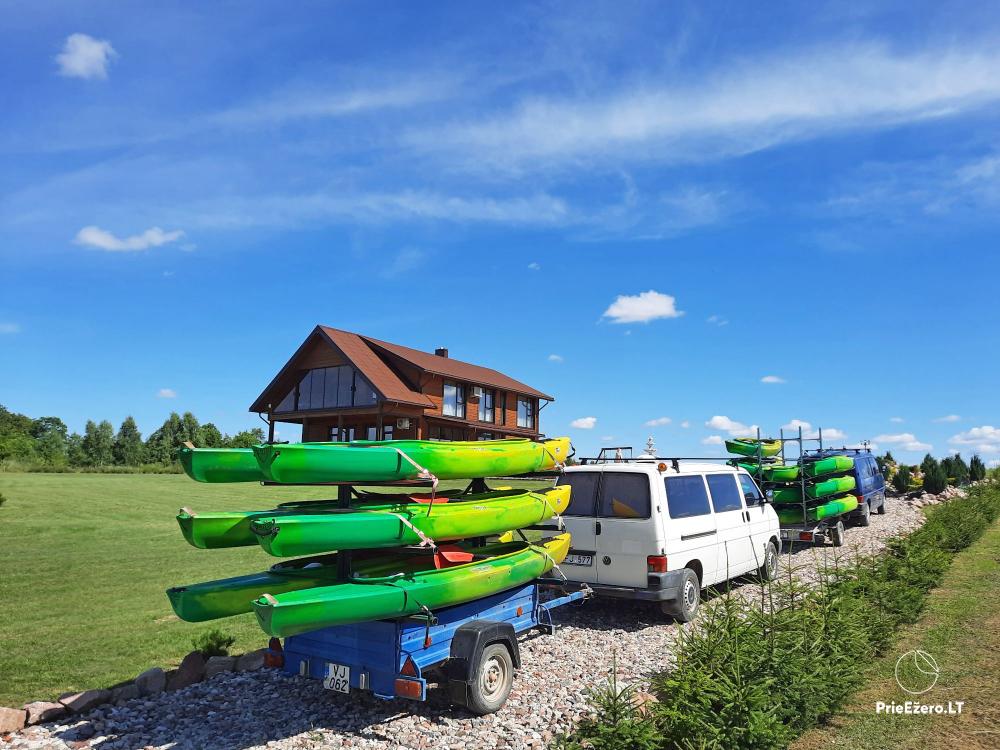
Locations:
(151, 682)
(82, 731)
(123, 693)
(12, 719)
(251, 661)
(191, 670)
(217, 664)
(40, 711)
(644, 702)
(79, 703)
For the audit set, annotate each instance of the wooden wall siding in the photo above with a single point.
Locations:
(321, 354)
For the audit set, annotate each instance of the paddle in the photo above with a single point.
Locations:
(449, 555)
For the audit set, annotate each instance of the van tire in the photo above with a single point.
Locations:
(881, 508)
(864, 517)
(837, 534)
(769, 570)
(688, 597)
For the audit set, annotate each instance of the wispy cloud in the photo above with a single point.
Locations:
(555, 358)
(896, 420)
(829, 433)
(166, 393)
(85, 57)
(739, 107)
(731, 426)
(906, 441)
(642, 308)
(712, 440)
(717, 320)
(584, 423)
(685, 424)
(535, 266)
(773, 379)
(658, 422)
(949, 418)
(101, 239)
(9, 328)
(406, 260)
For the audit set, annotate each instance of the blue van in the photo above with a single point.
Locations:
(869, 482)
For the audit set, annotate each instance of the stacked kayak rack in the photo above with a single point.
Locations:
(382, 561)
(811, 493)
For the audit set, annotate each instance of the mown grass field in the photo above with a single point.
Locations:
(84, 563)
(961, 630)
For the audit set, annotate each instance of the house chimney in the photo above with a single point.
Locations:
(441, 351)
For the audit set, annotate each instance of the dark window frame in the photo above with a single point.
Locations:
(460, 399)
(302, 398)
(530, 412)
(736, 490)
(487, 413)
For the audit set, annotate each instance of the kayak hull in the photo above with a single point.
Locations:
(781, 473)
(824, 488)
(828, 465)
(364, 461)
(749, 447)
(371, 527)
(218, 530)
(220, 464)
(361, 600)
(826, 510)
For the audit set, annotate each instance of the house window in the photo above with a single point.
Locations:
(436, 432)
(503, 407)
(484, 436)
(329, 388)
(454, 400)
(486, 406)
(526, 413)
(387, 431)
(345, 435)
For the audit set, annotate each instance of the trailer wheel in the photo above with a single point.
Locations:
(493, 680)
(837, 534)
(865, 517)
(686, 606)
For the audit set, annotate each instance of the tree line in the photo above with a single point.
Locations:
(46, 441)
(931, 475)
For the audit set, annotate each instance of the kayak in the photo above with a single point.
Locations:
(831, 508)
(216, 530)
(222, 464)
(750, 446)
(366, 596)
(781, 473)
(401, 522)
(396, 460)
(828, 465)
(825, 488)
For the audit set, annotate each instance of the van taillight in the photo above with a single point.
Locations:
(656, 564)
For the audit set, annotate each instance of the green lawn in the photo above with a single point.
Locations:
(961, 630)
(84, 563)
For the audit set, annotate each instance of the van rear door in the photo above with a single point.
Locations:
(627, 529)
(581, 562)
(691, 531)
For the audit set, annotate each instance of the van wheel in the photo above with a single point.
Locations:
(837, 534)
(688, 598)
(881, 508)
(865, 517)
(493, 680)
(769, 570)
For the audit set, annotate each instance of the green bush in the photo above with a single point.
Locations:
(213, 643)
(935, 479)
(901, 479)
(758, 677)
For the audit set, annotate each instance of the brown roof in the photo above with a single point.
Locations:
(383, 379)
(454, 368)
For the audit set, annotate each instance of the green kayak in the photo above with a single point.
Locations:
(832, 508)
(781, 473)
(396, 524)
(222, 464)
(495, 568)
(396, 460)
(749, 447)
(829, 465)
(825, 488)
(215, 530)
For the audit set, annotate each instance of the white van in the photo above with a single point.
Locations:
(663, 530)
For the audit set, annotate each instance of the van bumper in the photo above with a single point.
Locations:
(660, 587)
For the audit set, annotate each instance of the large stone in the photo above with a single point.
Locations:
(151, 682)
(191, 670)
(251, 661)
(124, 693)
(79, 703)
(217, 664)
(12, 719)
(41, 711)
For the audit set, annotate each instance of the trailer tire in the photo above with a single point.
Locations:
(688, 598)
(837, 534)
(493, 680)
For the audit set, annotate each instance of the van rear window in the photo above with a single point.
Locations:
(583, 496)
(686, 496)
(624, 495)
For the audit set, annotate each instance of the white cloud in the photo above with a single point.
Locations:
(642, 308)
(829, 433)
(535, 266)
(949, 418)
(985, 439)
(85, 57)
(733, 427)
(906, 441)
(584, 423)
(685, 424)
(406, 260)
(166, 393)
(713, 440)
(741, 106)
(555, 358)
(6, 328)
(897, 420)
(658, 422)
(103, 240)
(607, 438)
(773, 379)
(717, 320)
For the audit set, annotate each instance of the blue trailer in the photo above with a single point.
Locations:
(473, 645)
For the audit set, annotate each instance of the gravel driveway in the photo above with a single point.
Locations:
(233, 711)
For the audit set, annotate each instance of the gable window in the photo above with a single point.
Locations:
(329, 388)
(486, 405)
(526, 413)
(454, 400)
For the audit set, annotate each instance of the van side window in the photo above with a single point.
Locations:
(583, 496)
(624, 495)
(750, 491)
(686, 496)
(725, 495)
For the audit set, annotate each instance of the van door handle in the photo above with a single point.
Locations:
(597, 529)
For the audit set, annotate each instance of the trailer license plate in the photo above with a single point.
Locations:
(579, 559)
(338, 678)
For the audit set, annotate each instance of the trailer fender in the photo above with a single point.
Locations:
(467, 649)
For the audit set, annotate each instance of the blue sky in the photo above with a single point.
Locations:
(644, 210)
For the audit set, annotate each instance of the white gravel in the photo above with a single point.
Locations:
(237, 711)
